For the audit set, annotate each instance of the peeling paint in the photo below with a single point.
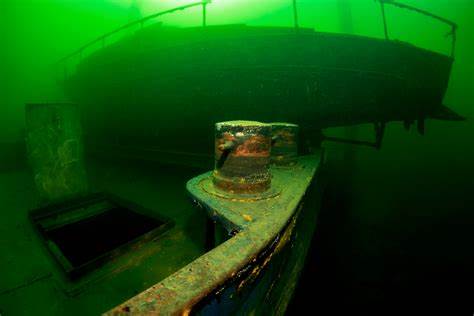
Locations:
(243, 257)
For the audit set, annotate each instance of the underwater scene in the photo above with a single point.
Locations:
(236, 157)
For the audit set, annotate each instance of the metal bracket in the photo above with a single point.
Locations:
(379, 128)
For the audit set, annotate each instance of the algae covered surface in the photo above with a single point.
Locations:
(396, 226)
(55, 150)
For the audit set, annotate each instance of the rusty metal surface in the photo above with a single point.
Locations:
(284, 144)
(257, 223)
(242, 157)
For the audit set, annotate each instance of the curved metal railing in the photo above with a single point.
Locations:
(453, 25)
(102, 39)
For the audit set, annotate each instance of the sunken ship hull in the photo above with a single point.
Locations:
(199, 76)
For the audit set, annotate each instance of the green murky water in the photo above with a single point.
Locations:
(398, 218)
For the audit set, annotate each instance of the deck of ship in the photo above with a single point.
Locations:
(32, 282)
(270, 241)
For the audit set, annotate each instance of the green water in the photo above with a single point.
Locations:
(37, 33)
(407, 205)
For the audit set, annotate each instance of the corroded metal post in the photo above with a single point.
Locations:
(284, 144)
(55, 150)
(242, 153)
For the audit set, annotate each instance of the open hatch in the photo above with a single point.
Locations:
(84, 233)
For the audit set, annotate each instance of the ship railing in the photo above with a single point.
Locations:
(79, 53)
(394, 3)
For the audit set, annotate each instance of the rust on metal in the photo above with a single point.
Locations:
(284, 144)
(242, 155)
(242, 257)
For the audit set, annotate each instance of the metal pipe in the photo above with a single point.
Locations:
(385, 29)
(379, 128)
(295, 15)
(453, 43)
(204, 14)
(349, 141)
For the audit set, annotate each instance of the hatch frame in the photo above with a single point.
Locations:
(43, 220)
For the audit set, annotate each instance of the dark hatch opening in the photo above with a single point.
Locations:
(83, 234)
(93, 237)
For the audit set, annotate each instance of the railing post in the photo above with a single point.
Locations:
(385, 29)
(423, 12)
(453, 43)
(295, 14)
(204, 13)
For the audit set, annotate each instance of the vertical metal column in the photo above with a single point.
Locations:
(453, 43)
(382, 7)
(295, 15)
(204, 13)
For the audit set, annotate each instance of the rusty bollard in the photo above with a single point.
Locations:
(55, 150)
(242, 157)
(284, 144)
